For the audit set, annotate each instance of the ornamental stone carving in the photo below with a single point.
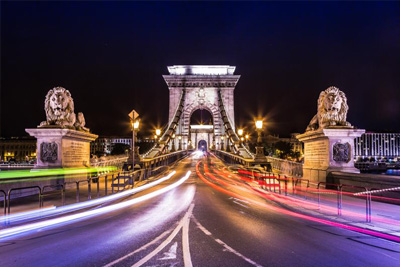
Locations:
(49, 152)
(332, 110)
(341, 152)
(59, 108)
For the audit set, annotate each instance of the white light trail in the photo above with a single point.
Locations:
(52, 211)
(26, 229)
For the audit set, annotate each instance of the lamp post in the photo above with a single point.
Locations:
(135, 126)
(228, 149)
(180, 143)
(240, 133)
(259, 148)
(222, 143)
(158, 132)
(173, 143)
(247, 139)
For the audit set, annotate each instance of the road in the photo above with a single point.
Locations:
(209, 220)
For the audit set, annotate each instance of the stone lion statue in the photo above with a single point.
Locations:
(59, 108)
(332, 110)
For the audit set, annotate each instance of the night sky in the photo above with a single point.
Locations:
(111, 57)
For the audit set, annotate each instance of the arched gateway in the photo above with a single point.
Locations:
(200, 87)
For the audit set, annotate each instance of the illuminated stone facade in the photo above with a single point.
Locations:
(201, 84)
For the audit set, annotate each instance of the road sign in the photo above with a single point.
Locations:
(133, 115)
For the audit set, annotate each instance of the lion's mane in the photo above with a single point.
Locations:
(67, 116)
(326, 118)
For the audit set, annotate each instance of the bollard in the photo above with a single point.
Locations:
(105, 184)
(77, 192)
(98, 186)
(339, 200)
(286, 185)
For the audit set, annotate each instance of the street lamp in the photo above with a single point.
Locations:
(240, 133)
(133, 115)
(158, 132)
(228, 148)
(180, 143)
(259, 126)
(259, 148)
(222, 142)
(173, 143)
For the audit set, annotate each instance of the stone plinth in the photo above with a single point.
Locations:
(328, 150)
(62, 148)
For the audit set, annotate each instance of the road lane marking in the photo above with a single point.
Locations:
(187, 260)
(158, 238)
(240, 204)
(166, 241)
(171, 254)
(222, 243)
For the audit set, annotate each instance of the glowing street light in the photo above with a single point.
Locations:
(180, 143)
(240, 132)
(259, 127)
(158, 132)
(259, 148)
(173, 143)
(135, 127)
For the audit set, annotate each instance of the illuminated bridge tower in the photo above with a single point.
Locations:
(194, 87)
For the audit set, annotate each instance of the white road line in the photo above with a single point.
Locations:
(166, 241)
(241, 200)
(240, 204)
(187, 260)
(171, 254)
(222, 243)
(139, 249)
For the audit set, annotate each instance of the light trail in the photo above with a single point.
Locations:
(295, 214)
(52, 211)
(52, 172)
(324, 194)
(30, 228)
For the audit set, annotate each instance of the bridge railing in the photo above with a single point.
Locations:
(117, 161)
(162, 160)
(233, 158)
(287, 167)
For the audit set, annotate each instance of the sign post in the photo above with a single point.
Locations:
(133, 115)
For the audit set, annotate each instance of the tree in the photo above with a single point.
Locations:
(118, 149)
(283, 149)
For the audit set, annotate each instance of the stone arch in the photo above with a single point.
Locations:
(213, 109)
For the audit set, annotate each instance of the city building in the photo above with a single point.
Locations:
(104, 145)
(377, 146)
(18, 149)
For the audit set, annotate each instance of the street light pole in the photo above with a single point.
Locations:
(259, 148)
(135, 124)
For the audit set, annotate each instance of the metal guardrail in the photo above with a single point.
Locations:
(131, 177)
(269, 183)
(339, 193)
(4, 201)
(287, 167)
(23, 188)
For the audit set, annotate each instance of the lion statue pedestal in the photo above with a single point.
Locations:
(62, 140)
(329, 138)
(328, 150)
(62, 148)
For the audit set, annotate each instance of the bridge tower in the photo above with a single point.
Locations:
(197, 87)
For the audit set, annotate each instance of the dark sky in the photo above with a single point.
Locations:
(111, 57)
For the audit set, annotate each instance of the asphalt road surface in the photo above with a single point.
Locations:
(220, 222)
